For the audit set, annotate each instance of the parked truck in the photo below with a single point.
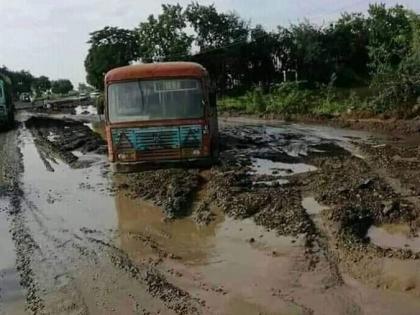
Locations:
(7, 116)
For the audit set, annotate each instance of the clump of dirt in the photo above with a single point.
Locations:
(398, 158)
(60, 137)
(171, 189)
(358, 198)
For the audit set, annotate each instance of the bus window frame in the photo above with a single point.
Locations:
(204, 87)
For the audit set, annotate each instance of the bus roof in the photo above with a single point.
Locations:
(156, 70)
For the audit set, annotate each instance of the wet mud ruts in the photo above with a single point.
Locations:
(60, 137)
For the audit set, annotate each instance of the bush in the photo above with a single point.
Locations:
(399, 89)
(289, 99)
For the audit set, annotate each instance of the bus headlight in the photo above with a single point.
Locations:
(205, 130)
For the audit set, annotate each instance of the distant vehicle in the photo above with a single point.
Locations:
(160, 113)
(6, 105)
(25, 97)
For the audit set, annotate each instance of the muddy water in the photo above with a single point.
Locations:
(312, 206)
(86, 110)
(233, 265)
(305, 136)
(12, 296)
(58, 193)
(267, 167)
(395, 236)
(98, 127)
(230, 264)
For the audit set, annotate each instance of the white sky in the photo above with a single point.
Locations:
(49, 36)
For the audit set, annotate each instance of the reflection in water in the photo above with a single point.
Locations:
(98, 127)
(244, 259)
(86, 110)
(267, 167)
(180, 237)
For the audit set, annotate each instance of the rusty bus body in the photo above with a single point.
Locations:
(159, 114)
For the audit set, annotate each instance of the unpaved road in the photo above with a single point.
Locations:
(295, 220)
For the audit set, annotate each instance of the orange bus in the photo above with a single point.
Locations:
(160, 113)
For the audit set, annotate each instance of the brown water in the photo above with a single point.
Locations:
(220, 263)
(12, 297)
(267, 167)
(395, 236)
(98, 127)
(220, 256)
(236, 266)
(312, 206)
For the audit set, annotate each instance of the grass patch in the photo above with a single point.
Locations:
(292, 98)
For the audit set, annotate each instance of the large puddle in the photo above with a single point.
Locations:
(312, 206)
(267, 167)
(236, 266)
(86, 110)
(233, 265)
(299, 140)
(395, 236)
(66, 196)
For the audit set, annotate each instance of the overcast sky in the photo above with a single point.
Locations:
(49, 36)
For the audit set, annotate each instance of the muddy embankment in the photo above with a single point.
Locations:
(380, 124)
(347, 201)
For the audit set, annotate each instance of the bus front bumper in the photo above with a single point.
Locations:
(136, 166)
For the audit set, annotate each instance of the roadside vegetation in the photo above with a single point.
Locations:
(39, 87)
(361, 63)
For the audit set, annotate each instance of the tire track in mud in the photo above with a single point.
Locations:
(174, 298)
(74, 248)
(32, 259)
(25, 245)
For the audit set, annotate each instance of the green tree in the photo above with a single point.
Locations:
(84, 88)
(214, 29)
(308, 52)
(41, 85)
(21, 80)
(164, 37)
(390, 35)
(110, 47)
(346, 44)
(261, 57)
(399, 85)
(61, 86)
(222, 39)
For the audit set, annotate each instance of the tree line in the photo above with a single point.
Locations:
(24, 82)
(380, 47)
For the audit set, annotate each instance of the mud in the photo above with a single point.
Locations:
(295, 219)
(61, 138)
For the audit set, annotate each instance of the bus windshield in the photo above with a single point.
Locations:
(155, 100)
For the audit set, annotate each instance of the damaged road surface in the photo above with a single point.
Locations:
(294, 220)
